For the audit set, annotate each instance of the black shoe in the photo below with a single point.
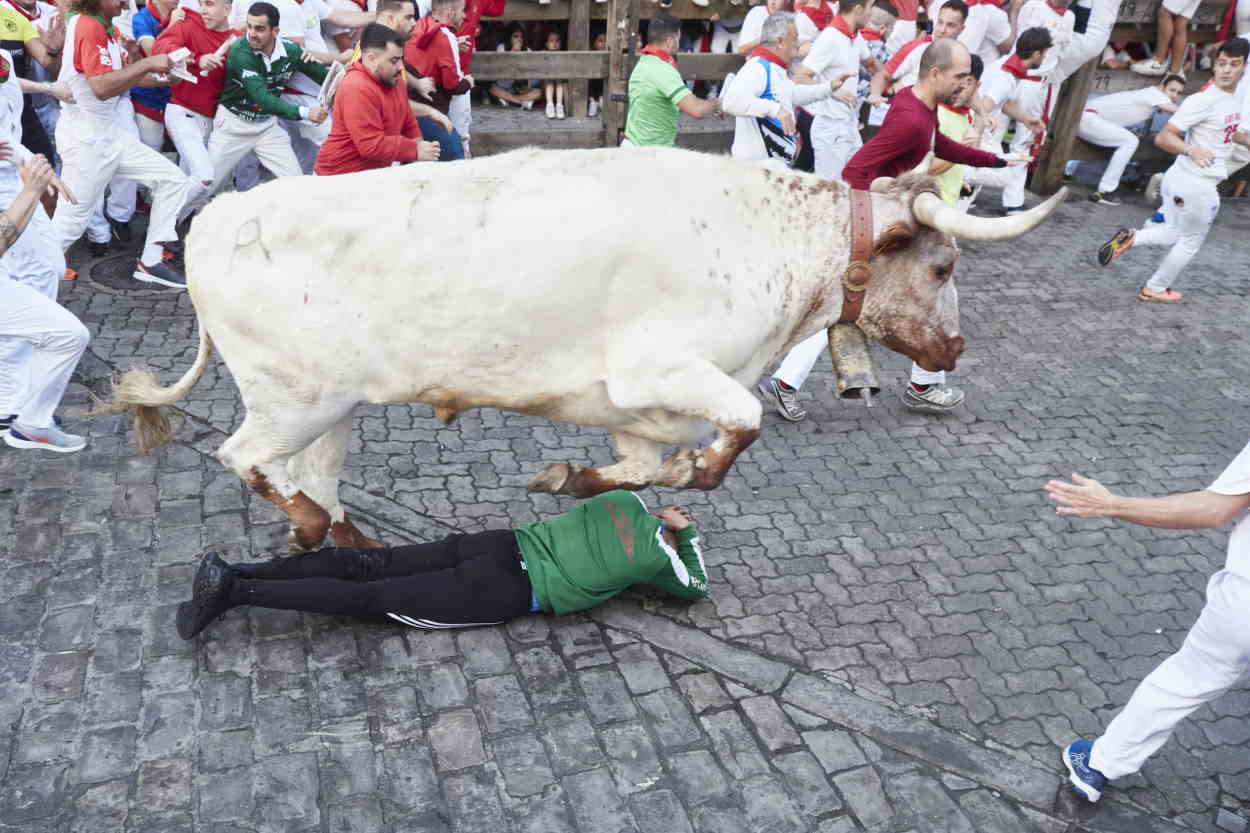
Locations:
(121, 230)
(210, 596)
(161, 273)
(1008, 210)
(97, 249)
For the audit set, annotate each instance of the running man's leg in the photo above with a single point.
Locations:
(58, 340)
(170, 189)
(798, 363)
(86, 168)
(1200, 201)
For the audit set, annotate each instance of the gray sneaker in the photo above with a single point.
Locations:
(936, 399)
(786, 401)
(51, 438)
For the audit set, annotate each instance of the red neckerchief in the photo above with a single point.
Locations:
(868, 33)
(33, 15)
(1059, 10)
(1014, 66)
(768, 55)
(818, 15)
(959, 111)
(662, 55)
(839, 22)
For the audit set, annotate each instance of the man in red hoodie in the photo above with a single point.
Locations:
(373, 125)
(189, 113)
(433, 51)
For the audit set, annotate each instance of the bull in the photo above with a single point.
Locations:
(667, 282)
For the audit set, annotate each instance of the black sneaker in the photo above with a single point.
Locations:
(97, 249)
(1102, 199)
(161, 273)
(210, 596)
(1120, 243)
(1008, 210)
(121, 230)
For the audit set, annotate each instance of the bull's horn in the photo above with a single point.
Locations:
(930, 210)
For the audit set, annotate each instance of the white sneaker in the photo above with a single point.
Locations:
(1149, 67)
(1154, 187)
(527, 105)
(936, 399)
(593, 109)
(559, 111)
(551, 110)
(502, 102)
(51, 438)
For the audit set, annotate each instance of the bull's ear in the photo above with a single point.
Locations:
(892, 238)
(882, 184)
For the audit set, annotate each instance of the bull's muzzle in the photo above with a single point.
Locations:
(852, 363)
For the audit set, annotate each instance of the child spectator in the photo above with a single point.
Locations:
(555, 91)
(595, 87)
(1169, 55)
(1115, 56)
(519, 91)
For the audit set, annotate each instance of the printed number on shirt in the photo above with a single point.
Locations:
(1230, 129)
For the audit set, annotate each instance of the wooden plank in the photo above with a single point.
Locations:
(1117, 80)
(493, 65)
(525, 10)
(707, 67)
(579, 41)
(486, 143)
(622, 49)
(1048, 176)
(1145, 13)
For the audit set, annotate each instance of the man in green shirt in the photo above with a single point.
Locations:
(569, 563)
(258, 68)
(657, 91)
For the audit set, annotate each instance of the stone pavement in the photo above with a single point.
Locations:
(900, 632)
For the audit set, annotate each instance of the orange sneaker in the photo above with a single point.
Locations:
(1167, 296)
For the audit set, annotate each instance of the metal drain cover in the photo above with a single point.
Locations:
(116, 272)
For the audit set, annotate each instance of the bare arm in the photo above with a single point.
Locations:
(698, 108)
(36, 175)
(49, 58)
(1087, 498)
(744, 49)
(1171, 139)
(350, 20)
(110, 84)
(877, 86)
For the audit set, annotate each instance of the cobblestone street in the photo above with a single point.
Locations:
(901, 633)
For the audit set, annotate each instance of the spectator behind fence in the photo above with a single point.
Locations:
(519, 91)
(461, 109)
(595, 86)
(1173, 38)
(1115, 56)
(657, 91)
(554, 91)
(373, 125)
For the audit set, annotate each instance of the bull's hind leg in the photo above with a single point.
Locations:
(258, 453)
(639, 461)
(317, 469)
(700, 389)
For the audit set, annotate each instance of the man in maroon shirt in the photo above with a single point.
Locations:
(910, 131)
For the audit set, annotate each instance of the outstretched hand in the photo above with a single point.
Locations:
(1083, 497)
(675, 517)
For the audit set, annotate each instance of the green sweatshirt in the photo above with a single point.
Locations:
(255, 83)
(587, 556)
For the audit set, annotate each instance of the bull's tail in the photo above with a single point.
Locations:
(139, 393)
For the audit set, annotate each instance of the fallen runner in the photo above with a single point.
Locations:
(569, 563)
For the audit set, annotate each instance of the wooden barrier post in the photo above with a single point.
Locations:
(579, 41)
(1048, 175)
(622, 47)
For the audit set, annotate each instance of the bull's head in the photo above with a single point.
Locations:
(911, 305)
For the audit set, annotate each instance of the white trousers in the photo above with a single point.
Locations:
(1032, 101)
(723, 40)
(233, 138)
(798, 363)
(91, 162)
(40, 345)
(1096, 130)
(834, 142)
(190, 131)
(1214, 657)
(1185, 224)
(460, 111)
(1091, 43)
(124, 192)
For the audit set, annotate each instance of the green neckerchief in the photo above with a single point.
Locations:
(108, 27)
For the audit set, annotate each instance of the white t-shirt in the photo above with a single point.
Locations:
(1235, 480)
(904, 66)
(833, 52)
(1038, 13)
(753, 26)
(290, 17)
(1128, 107)
(985, 27)
(1208, 118)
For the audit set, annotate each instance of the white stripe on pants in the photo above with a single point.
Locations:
(1098, 131)
(91, 162)
(233, 137)
(798, 363)
(1184, 227)
(40, 345)
(190, 131)
(834, 142)
(1214, 657)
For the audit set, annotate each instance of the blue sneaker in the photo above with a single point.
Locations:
(1086, 780)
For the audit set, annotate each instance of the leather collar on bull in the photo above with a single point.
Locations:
(859, 270)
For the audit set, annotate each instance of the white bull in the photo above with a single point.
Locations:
(642, 292)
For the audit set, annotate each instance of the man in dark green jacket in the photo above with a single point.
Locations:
(258, 68)
(569, 563)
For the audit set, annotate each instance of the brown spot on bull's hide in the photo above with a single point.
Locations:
(309, 522)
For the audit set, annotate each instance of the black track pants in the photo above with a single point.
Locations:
(460, 581)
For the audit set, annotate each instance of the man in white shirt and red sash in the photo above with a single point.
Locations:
(1201, 134)
(1107, 119)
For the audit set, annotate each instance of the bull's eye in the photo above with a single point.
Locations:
(942, 273)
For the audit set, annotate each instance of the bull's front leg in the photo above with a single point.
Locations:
(699, 389)
(639, 461)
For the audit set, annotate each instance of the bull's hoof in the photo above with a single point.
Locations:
(551, 480)
(345, 534)
(678, 470)
(302, 539)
